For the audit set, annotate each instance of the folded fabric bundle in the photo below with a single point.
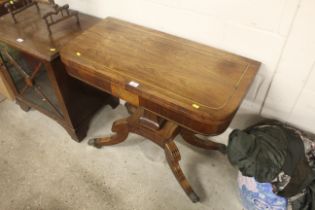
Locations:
(279, 154)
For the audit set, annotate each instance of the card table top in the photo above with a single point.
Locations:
(197, 86)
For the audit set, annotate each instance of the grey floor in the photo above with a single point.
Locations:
(42, 168)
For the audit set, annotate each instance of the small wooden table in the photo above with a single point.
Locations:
(31, 66)
(172, 85)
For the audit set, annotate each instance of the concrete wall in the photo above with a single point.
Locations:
(292, 93)
(276, 32)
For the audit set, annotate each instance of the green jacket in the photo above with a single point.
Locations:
(264, 151)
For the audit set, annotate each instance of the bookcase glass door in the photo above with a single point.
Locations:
(30, 78)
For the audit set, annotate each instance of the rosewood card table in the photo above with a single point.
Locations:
(173, 86)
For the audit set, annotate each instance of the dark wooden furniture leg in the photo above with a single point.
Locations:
(173, 157)
(161, 132)
(121, 130)
(23, 106)
(192, 139)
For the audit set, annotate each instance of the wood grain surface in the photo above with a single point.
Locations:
(195, 85)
